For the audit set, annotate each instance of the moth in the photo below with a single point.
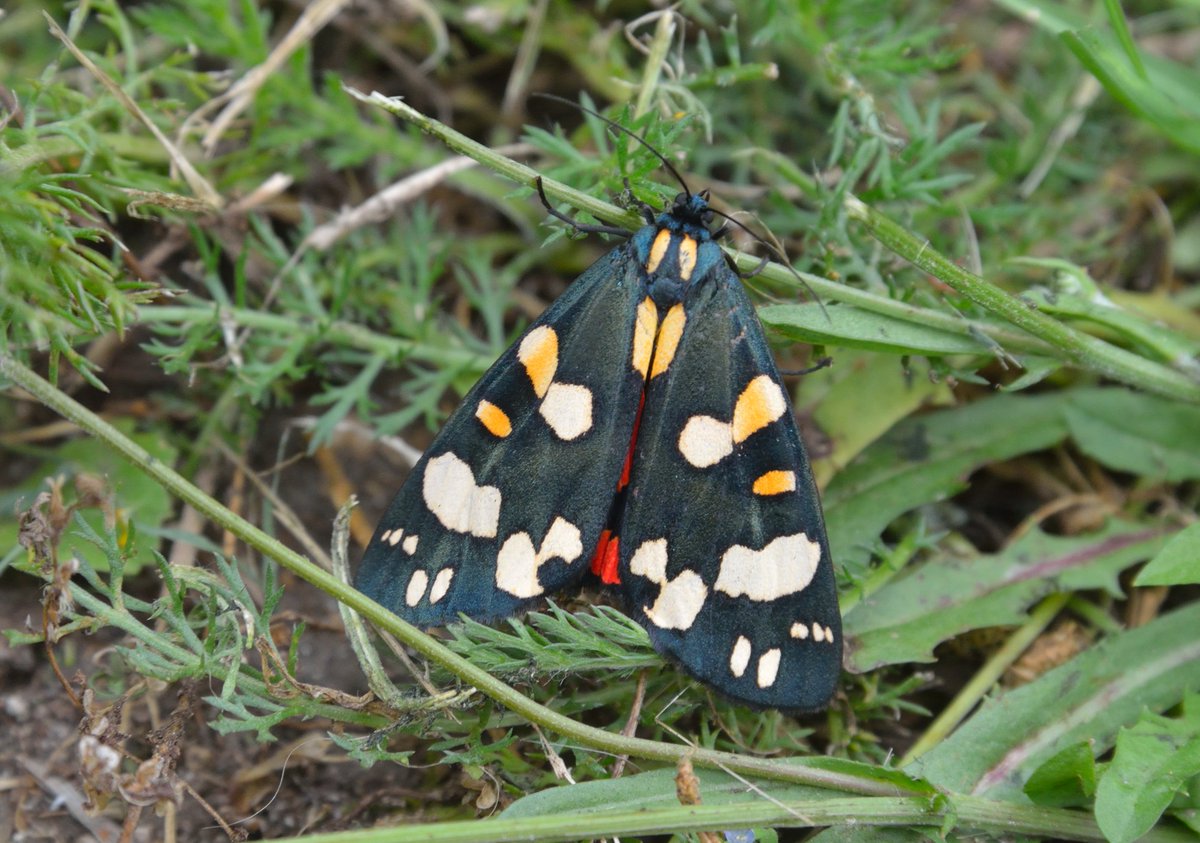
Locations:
(638, 430)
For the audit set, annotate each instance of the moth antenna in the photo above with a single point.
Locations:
(777, 256)
(615, 125)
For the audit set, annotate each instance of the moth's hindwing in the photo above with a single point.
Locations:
(723, 555)
(507, 504)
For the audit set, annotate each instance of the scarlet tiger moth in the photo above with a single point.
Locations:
(638, 429)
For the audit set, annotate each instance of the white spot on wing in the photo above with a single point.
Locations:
(567, 408)
(679, 601)
(705, 441)
(768, 667)
(410, 545)
(416, 587)
(518, 562)
(740, 656)
(395, 537)
(828, 634)
(650, 561)
(818, 632)
(452, 495)
(387, 534)
(799, 630)
(786, 565)
(441, 584)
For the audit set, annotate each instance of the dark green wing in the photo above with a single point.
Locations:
(507, 504)
(723, 555)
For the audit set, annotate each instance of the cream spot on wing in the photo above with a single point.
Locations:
(818, 632)
(704, 441)
(410, 544)
(775, 483)
(494, 419)
(452, 495)
(658, 250)
(687, 257)
(760, 403)
(518, 561)
(669, 336)
(740, 656)
(799, 630)
(416, 587)
(567, 408)
(516, 567)
(539, 354)
(768, 667)
(441, 584)
(387, 534)
(562, 542)
(394, 539)
(644, 330)
(679, 601)
(650, 561)
(828, 634)
(786, 565)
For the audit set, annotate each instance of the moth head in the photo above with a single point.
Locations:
(693, 208)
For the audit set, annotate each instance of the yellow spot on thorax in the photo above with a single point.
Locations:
(644, 330)
(687, 257)
(494, 419)
(668, 339)
(760, 403)
(658, 250)
(539, 354)
(775, 483)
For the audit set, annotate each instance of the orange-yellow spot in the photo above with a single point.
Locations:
(669, 335)
(643, 335)
(760, 403)
(658, 250)
(494, 419)
(775, 483)
(687, 257)
(539, 354)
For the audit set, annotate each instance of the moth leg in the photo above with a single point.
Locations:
(578, 226)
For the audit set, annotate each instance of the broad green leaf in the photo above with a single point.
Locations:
(1154, 760)
(1066, 780)
(928, 458)
(865, 395)
(1178, 563)
(1191, 818)
(1089, 698)
(849, 834)
(1142, 434)
(138, 499)
(656, 789)
(944, 597)
(846, 325)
